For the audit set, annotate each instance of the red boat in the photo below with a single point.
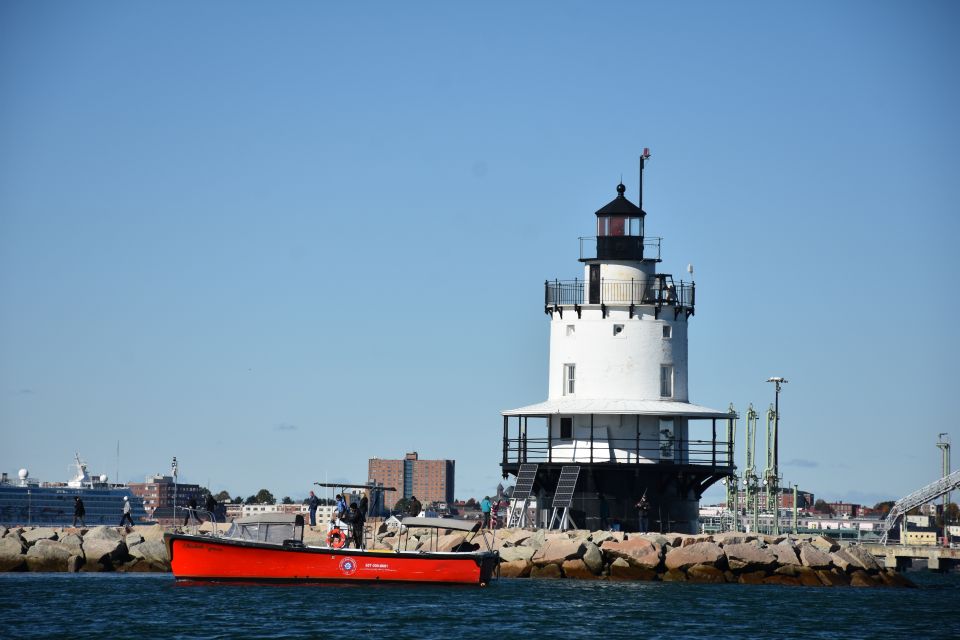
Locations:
(266, 548)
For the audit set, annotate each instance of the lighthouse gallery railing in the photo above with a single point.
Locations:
(656, 291)
(712, 452)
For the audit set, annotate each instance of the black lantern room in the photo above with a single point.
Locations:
(620, 229)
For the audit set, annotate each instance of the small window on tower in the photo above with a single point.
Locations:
(667, 331)
(566, 428)
(569, 379)
(571, 329)
(618, 330)
(666, 381)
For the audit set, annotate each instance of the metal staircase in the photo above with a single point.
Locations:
(919, 497)
(563, 498)
(520, 498)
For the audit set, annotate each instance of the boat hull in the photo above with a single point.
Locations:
(203, 558)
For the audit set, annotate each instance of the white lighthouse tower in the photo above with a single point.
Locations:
(618, 401)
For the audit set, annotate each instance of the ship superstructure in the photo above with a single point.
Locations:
(25, 501)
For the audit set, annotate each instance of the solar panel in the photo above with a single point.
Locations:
(525, 477)
(565, 487)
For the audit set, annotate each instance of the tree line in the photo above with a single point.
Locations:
(263, 496)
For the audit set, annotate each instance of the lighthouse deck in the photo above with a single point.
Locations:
(658, 291)
(595, 445)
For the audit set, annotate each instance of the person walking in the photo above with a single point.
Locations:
(485, 510)
(312, 503)
(78, 511)
(127, 510)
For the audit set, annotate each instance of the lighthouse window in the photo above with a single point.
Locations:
(566, 428)
(667, 331)
(569, 379)
(612, 226)
(571, 329)
(666, 381)
(618, 330)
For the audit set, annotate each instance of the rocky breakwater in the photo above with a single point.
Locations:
(83, 550)
(723, 558)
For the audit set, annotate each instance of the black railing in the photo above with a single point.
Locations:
(619, 248)
(659, 291)
(522, 449)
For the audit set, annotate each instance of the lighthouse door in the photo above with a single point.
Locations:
(594, 284)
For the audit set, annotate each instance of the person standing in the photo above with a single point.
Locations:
(127, 509)
(341, 507)
(485, 510)
(364, 505)
(78, 511)
(210, 506)
(191, 511)
(312, 503)
(643, 508)
(356, 520)
(413, 507)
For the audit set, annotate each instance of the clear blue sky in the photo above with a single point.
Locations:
(276, 239)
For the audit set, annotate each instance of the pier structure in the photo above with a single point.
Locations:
(618, 398)
(903, 556)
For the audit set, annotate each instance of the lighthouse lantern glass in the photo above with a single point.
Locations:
(619, 226)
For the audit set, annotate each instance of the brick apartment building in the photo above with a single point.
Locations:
(158, 491)
(804, 499)
(428, 480)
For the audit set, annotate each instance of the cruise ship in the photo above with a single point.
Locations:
(25, 501)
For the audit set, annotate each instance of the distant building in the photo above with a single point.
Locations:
(845, 509)
(160, 491)
(919, 521)
(428, 480)
(804, 499)
(919, 536)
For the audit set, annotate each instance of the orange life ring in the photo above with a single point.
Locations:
(336, 538)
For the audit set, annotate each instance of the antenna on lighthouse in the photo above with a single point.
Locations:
(643, 158)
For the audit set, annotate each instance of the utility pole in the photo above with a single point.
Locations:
(750, 480)
(795, 509)
(733, 482)
(943, 443)
(773, 478)
(173, 467)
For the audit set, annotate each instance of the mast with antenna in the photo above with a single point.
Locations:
(643, 158)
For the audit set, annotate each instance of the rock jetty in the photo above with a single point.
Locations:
(811, 561)
(83, 550)
(597, 555)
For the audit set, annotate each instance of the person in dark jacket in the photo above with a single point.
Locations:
(413, 507)
(364, 506)
(78, 511)
(210, 506)
(313, 502)
(356, 520)
(191, 511)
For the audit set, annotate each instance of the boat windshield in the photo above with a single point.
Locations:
(267, 527)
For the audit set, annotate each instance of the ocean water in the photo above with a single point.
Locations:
(154, 606)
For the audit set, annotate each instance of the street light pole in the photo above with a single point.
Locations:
(943, 443)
